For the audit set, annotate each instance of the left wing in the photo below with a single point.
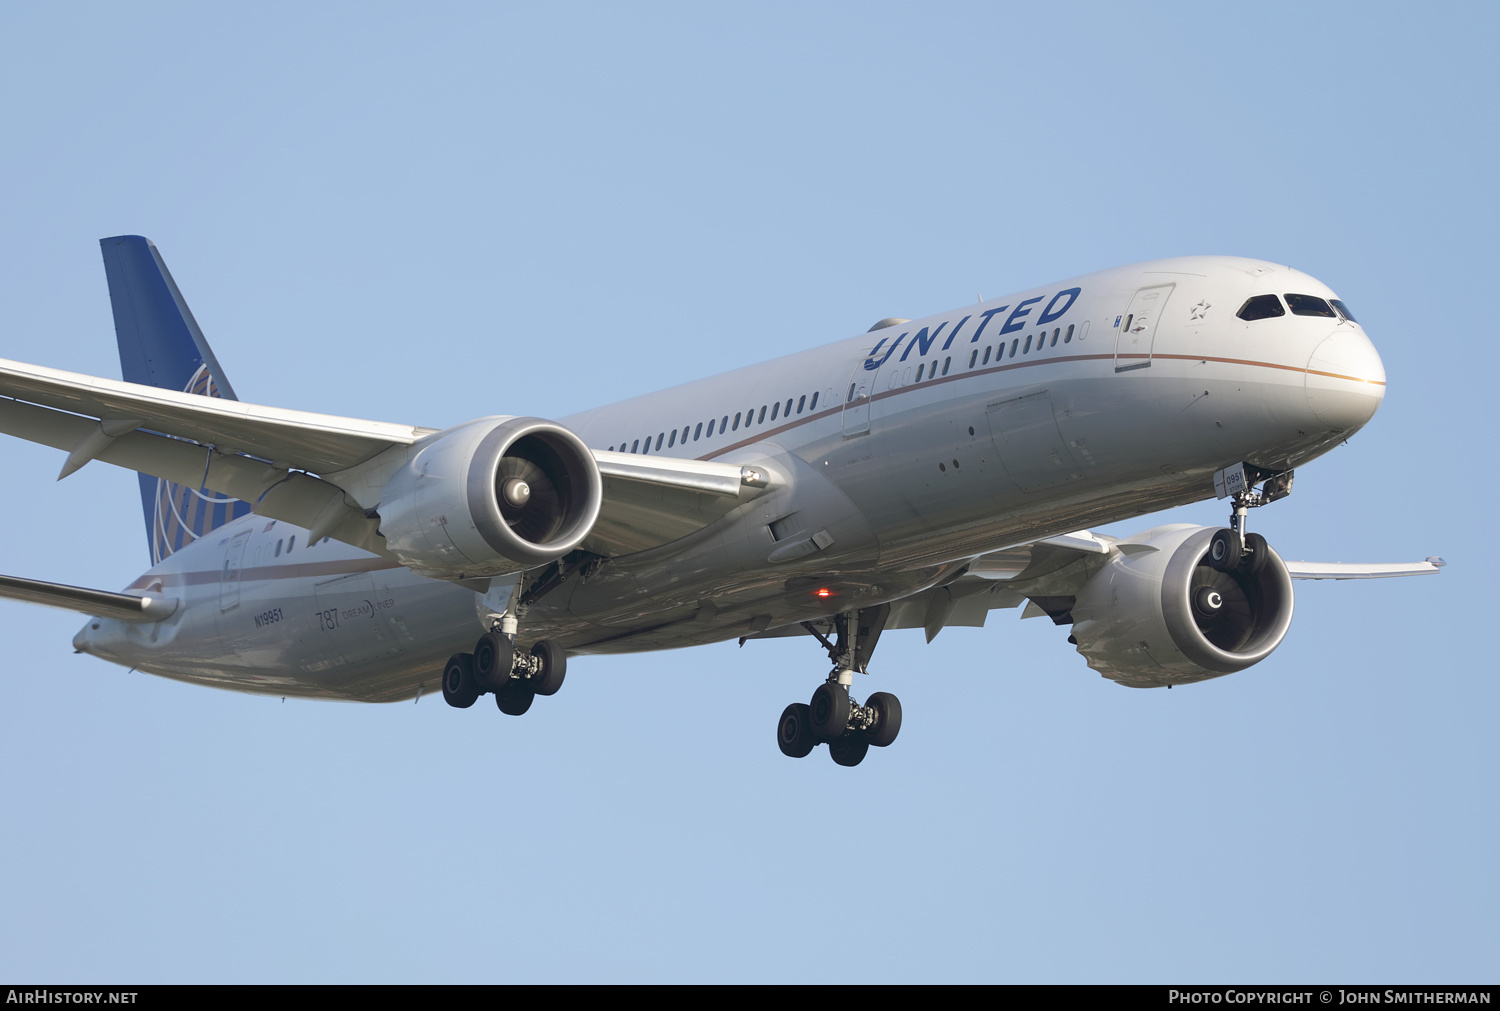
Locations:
(319, 471)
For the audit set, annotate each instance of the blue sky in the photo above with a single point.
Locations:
(430, 215)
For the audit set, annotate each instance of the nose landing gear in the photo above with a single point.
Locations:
(1232, 549)
(831, 717)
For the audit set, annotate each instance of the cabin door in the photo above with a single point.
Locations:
(1136, 331)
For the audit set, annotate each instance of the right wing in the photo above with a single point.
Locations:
(1363, 570)
(1045, 574)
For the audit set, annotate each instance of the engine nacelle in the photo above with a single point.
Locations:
(1159, 614)
(491, 497)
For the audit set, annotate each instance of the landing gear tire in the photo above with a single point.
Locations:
(492, 660)
(1226, 549)
(514, 697)
(850, 749)
(1257, 552)
(830, 711)
(460, 690)
(887, 719)
(552, 664)
(794, 734)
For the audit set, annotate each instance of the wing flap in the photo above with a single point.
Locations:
(651, 501)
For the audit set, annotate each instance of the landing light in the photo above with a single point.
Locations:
(824, 592)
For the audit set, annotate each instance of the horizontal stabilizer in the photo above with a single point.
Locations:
(102, 603)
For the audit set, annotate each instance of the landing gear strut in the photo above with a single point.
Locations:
(1232, 549)
(831, 717)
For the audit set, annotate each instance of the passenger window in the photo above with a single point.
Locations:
(685, 429)
(761, 418)
(947, 362)
(736, 427)
(986, 356)
(1069, 336)
(290, 544)
(278, 548)
(1013, 345)
(775, 409)
(723, 425)
(814, 405)
(1343, 310)
(920, 369)
(659, 437)
(802, 403)
(711, 423)
(1055, 334)
(635, 447)
(1027, 349)
(1261, 307)
(699, 430)
(974, 357)
(787, 410)
(1309, 305)
(850, 398)
(672, 439)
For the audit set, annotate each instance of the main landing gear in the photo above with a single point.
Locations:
(832, 717)
(495, 666)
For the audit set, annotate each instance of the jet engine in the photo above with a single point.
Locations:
(491, 497)
(1161, 614)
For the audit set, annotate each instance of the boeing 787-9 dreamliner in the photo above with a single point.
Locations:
(918, 475)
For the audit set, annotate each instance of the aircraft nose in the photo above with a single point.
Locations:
(1345, 379)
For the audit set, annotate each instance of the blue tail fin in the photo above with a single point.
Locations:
(161, 346)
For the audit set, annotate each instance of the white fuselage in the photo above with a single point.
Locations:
(904, 453)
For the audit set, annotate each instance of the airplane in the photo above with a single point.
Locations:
(915, 476)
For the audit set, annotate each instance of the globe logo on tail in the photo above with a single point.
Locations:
(183, 514)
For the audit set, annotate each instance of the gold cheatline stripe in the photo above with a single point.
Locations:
(924, 384)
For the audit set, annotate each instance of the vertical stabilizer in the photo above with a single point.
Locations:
(162, 346)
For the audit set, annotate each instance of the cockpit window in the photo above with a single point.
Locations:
(1309, 305)
(1261, 307)
(1343, 310)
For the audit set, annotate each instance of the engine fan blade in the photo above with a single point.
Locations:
(1231, 625)
(541, 514)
